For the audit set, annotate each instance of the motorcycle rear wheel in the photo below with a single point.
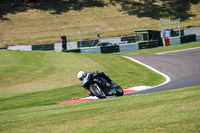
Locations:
(97, 91)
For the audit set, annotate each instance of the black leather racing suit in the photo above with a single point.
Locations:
(100, 74)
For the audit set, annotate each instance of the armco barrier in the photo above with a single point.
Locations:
(191, 31)
(110, 49)
(128, 47)
(72, 46)
(197, 37)
(152, 44)
(188, 38)
(58, 46)
(88, 43)
(111, 40)
(175, 41)
(21, 48)
(91, 50)
(105, 49)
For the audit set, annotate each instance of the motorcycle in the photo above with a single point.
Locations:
(101, 88)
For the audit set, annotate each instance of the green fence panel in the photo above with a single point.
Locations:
(188, 38)
(3, 48)
(130, 39)
(110, 49)
(176, 33)
(88, 43)
(43, 47)
(72, 50)
(152, 44)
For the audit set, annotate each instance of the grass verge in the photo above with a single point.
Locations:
(169, 111)
(27, 106)
(42, 78)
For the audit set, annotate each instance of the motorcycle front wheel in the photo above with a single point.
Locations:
(119, 91)
(97, 91)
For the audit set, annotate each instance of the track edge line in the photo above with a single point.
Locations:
(168, 79)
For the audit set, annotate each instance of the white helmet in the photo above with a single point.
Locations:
(81, 75)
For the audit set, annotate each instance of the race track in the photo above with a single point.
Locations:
(183, 67)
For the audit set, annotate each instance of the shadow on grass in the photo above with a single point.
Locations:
(54, 6)
(156, 9)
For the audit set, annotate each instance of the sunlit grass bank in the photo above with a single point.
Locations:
(52, 76)
(170, 111)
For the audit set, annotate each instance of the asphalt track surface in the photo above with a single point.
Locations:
(183, 67)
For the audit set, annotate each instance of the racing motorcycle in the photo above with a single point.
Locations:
(101, 88)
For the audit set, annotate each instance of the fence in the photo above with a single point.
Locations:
(192, 31)
(151, 44)
(75, 46)
(117, 48)
(174, 40)
(181, 40)
(197, 37)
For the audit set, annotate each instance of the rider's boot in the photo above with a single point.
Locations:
(90, 94)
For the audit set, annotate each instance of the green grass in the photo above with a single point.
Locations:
(43, 78)
(161, 49)
(43, 24)
(170, 111)
(33, 82)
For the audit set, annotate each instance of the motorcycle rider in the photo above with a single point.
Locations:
(82, 75)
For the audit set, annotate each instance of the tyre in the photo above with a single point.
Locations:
(119, 91)
(96, 91)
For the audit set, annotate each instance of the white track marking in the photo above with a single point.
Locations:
(136, 88)
(153, 69)
(139, 88)
(91, 97)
